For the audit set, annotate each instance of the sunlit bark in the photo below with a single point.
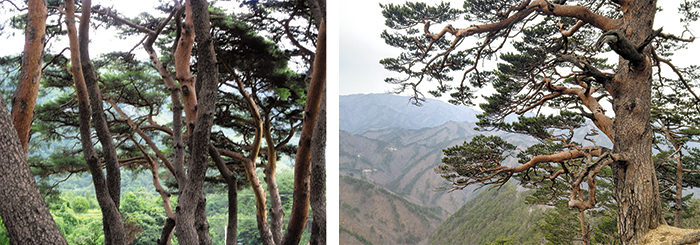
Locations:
(302, 167)
(24, 99)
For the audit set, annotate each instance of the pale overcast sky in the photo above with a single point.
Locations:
(361, 47)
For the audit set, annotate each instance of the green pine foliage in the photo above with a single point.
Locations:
(495, 216)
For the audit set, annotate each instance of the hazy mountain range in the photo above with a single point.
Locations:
(392, 146)
(363, 112)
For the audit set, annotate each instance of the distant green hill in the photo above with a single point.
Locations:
(494, 213)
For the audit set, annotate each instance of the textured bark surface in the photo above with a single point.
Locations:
(318, 178)
(99, 119)
(23, 209)
(232, 185)
(24, 99)
(302, 167)
(678, 199)
(276, 211)
(192, 226)
(636, 187)
(114, 228)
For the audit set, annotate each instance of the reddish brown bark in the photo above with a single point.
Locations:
(302, 167)
(636, 187)
(182, 68)
(192, 226)
(22, 208)
(24, 99)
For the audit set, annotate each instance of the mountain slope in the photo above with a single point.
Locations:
(402, 160)
(372, 215)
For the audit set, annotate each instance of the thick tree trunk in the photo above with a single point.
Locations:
(636, 187)
(114, 228)
(22, 208)
(24, 99)
(302, 167)
(192, 226)
(318, 178)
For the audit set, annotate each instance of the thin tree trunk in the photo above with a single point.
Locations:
(302, 168)
(232, 184)
(22, 208)
(318, 178)
(98, 117)
(636, 187)
(232, 224)
(249, 165)
(276, 211)
(584, 232)
(24, 99)
(166, 232)
(114, 228)
(679, 190)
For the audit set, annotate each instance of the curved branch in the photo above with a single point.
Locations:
(587, 68)
(579, 12)
(680, 76)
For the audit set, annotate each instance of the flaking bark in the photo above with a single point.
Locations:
(22, 208)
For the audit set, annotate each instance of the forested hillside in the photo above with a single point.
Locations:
(494, 213)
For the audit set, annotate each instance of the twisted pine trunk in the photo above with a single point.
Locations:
(636, 187)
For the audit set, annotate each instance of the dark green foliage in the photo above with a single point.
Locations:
(543, 128)
(676, 124)
(414, 13)
(262, 68)
(476, 161)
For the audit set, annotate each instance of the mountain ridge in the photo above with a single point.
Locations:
(363, 112)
